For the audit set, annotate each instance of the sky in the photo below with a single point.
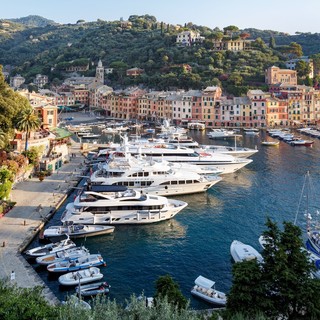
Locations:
(278, 15)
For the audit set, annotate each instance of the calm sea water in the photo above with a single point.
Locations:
(197, 241)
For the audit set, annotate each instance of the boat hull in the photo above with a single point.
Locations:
(50, 248)
(82, 277)
(89, 231)
(241, 252)
(128, 217)
(93, 289)
(212, 300)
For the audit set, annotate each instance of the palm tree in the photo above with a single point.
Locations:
(27, 121)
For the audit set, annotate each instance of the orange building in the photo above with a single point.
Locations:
(274, 75)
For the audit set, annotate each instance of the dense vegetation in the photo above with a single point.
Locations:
(150, 45)
(15, 113)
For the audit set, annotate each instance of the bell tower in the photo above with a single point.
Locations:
(100, 72)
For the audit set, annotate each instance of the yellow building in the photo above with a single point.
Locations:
(274, 75)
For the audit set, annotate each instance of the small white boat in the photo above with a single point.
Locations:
(81, 276)
(93, 289)
(84, 262)
(205, 289)
(51, 248)
(251, 131)
(220, 133)
(77, 230)
(243, 252)
(91, 136)
(270, 143)
(301, 142)
(196, 126)
(72, 253)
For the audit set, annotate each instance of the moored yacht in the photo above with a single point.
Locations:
(152, 177)
(238, 152)
(220, 133)
(222, 162)
(126, 207)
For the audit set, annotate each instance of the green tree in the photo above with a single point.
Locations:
(281, 286)
(27, 122)
(167, 287)
(272, 42)
(24, 304)
(235, 78)
(229, 30)
(247, 292)
(217, 36)
(295, 49)
(303, 69)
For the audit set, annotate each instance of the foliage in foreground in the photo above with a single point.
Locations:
(281, 286)
(24, 304)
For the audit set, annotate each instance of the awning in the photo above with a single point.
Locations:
(204, 282)
(61, 133)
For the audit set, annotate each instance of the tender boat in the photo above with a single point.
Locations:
(301, 142)
(51, 248)
(77, 231)
(127, 207)
(72, 253)
(81, 276)
(84, 262)
(270, 143)
(244, 252)
(93, 289)
(205, 289)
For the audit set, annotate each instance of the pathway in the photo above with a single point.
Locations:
(35, 203)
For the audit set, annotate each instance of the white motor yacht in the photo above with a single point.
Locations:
(122, 207)
(238, 152)
(220, 133)
(222, 162)
(153, 177)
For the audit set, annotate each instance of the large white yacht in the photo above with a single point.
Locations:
(186, 141)
(238, 152)
(153, 177)
(121, 207)
(222, 162)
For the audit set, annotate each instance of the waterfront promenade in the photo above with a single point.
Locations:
(36, 202)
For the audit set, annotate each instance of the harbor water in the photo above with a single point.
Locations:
(197, 241)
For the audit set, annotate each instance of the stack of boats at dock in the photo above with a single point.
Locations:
(287, 136)
(75, 264)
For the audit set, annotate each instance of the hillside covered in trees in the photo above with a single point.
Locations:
(150, 45)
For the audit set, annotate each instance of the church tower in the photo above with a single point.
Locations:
(100, 72)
